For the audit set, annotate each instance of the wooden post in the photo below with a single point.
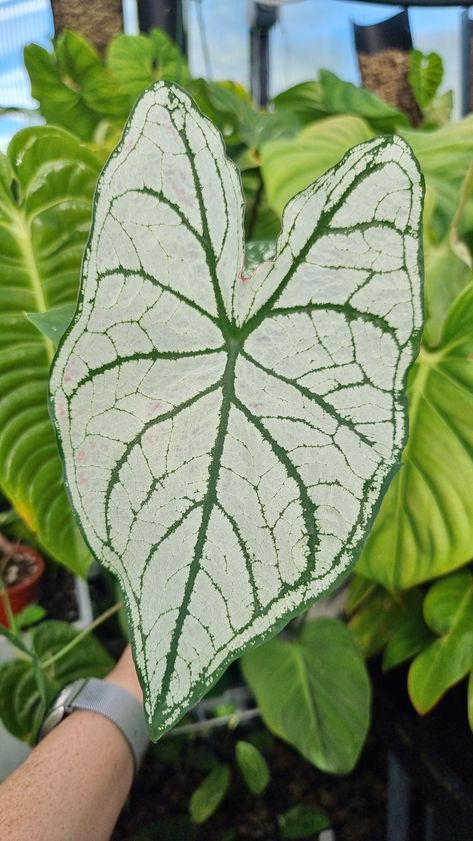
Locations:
(383, 57)
(98, 21)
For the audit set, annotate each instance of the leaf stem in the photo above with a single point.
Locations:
(72, 644)
(220, 721)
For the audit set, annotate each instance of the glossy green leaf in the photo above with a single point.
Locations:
(314, 693)
(331, 95)
(448, 611)
(425, 76)
(208, 796)
(302, 821)
(424, 527)
(289, 166)
(253, 767)
(226, 438)
(46, 184)
(53, 323)
(340, 97)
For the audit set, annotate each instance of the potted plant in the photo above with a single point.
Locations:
(21, 568)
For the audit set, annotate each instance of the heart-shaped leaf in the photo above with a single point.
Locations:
(448, 611)
(314, 692)
(227, 438)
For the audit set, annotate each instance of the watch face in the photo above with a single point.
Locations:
(55, 716)
(61, 706)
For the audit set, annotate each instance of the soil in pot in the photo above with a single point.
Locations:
(21, 568)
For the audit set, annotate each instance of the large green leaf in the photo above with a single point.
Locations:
(314, 692)
(340, 97)
(227, 438)
(445, 156)
(289, 166)
(448, 611)
(46, 184)
(425, 524)
(331, 95)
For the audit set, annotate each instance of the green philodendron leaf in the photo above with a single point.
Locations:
(53, 323)
(47, 181)
(26, 690)
(341, 97)
(227, 438)
(425, 524)
(448, 611)
(444, 156)
(425, 76)
(314, 692)
(253, 767)
(136, 61)
(208, 796)
(289, 166)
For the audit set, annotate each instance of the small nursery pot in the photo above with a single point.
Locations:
(22, 594)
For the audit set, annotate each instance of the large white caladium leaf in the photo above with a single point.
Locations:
(227, 438)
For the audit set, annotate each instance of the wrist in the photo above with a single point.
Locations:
(124, 675)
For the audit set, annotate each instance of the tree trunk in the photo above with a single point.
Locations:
(99, 22)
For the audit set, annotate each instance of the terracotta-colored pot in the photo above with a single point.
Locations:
(22, 594)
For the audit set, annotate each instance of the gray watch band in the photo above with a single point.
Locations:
(109, 700)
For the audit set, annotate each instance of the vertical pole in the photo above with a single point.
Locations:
(399, 791)
(263, 18)
(466, 33)
(166, 15)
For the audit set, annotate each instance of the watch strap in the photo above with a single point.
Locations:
(116, 704)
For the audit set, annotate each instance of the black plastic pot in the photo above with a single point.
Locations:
(430, 763)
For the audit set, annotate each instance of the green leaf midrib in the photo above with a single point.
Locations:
(208, 504)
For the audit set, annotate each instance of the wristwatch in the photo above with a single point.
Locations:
(109, 700)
